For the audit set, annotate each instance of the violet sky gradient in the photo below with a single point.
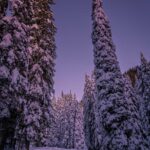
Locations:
(130, 23)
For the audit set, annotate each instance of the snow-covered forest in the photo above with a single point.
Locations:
(114, 113)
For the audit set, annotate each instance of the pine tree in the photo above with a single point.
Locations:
(33, 19)
(13, 73)
(89, 114)
(34, 126)
(66, 112)
(79, 131)
(69, 122)
(58, 105)
(134, 109)
(42, 62)
(143, 89)
(117, 126)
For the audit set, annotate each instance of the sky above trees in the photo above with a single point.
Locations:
(129, 20)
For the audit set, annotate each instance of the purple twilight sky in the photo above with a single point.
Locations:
(130, 23)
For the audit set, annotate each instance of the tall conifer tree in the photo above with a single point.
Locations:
(143, 89)
(114, 116)
(37, 117)
(89, 113)
(79, 129)
(13, 71)
(66, 110)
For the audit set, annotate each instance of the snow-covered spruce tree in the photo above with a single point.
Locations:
(117, 126)
(13, 73)
(143, 89)
(58, 106)
(134, 108)
(69, 122)
(57, 123)
(79, 129)
(66, 109)
(37, 117)
(89, 114)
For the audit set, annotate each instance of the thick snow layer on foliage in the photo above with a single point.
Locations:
(50, 148)
(117, 126)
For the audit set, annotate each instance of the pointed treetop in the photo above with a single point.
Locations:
(143, 59)
(98, 12)
(99, 2)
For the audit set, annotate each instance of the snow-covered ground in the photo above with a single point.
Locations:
(50, 148)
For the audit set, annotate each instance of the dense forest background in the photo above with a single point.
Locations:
(114, 112)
